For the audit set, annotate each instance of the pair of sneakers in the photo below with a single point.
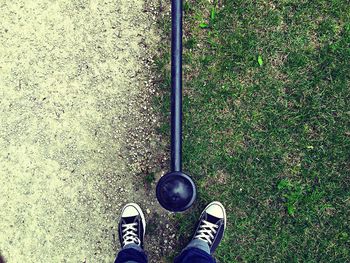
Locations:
(210, 227)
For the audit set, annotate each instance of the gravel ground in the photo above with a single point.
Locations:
(77, 132)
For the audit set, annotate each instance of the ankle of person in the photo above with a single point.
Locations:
(200, 244)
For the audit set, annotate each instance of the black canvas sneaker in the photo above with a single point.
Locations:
(211, 225)
(132, 225)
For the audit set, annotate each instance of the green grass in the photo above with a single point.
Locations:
(266, 125)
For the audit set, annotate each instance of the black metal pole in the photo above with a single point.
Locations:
(176, 86)
(176, 190)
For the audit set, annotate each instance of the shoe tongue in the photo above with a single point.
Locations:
(213, 219)
(129, 219)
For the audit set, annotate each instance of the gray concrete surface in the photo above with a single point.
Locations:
(76, 127)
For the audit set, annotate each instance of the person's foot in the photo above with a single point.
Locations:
(211, 225)
(132, 225)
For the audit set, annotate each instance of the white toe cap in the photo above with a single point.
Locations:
(216, 209)
(130, 210)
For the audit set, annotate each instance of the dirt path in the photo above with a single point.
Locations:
(76, 130)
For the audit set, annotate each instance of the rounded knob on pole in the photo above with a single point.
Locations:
(176, 191)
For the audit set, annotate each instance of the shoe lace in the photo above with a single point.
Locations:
(206, 231)
(130, 234)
